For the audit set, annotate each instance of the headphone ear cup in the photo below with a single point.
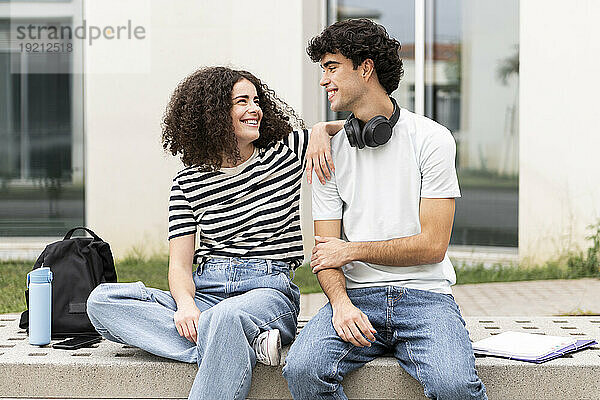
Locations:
(350, 132)
(377, 131)
(359, 133)
(382, 133)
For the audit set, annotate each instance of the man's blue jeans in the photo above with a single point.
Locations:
(238, 298)
(423, 330)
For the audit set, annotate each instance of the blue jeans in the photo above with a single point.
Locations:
(238, 299)
(423, 330)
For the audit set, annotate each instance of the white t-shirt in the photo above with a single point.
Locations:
(376, 194)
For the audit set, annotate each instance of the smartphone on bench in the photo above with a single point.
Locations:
(77, 342)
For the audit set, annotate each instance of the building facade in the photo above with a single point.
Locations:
(515, 82)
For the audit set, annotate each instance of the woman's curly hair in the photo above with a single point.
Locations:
(197, 123)
(359, 39)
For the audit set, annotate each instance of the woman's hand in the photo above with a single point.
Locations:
(181, 285)
(186, 321)
(318, 153)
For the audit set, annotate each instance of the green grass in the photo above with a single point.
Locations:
(306, 280)
(12, 285)
(511, 273)
(153, 272)
(551, 270)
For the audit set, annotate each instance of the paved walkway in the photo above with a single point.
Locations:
(526, 298)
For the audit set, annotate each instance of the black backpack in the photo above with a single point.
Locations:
(78, 266)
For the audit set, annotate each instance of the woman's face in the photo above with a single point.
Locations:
(245, 112)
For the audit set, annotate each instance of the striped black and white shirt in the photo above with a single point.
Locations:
(249, 211)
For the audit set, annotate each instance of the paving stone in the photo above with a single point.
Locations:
(541, 298)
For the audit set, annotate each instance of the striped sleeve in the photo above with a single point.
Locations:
(298, 142)
(181, 216)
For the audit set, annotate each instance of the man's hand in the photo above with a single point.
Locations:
(318, 153)
(352, 325)
(329, 255)
(329, 252)
(186, 321)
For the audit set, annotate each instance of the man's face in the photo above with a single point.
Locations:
(343, 83)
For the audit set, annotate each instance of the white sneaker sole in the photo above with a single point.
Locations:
(274, 347)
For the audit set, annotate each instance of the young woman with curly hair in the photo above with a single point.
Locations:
(239, 196)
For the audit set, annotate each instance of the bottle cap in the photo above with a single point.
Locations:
(39, 275)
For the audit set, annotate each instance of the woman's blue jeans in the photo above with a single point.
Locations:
(423, 330)
(238, 298)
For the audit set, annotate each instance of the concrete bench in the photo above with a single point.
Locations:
(111, 370)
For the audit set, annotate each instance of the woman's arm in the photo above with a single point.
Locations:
(181, 285)
(318, 154)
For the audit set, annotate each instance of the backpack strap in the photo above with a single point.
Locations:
(110, 274)
(70, 233)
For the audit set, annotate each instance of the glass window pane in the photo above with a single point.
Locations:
(398, 18)
(41, 131)
(471, 87)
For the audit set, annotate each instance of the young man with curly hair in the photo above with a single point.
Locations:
(231, 301)
(382, 228)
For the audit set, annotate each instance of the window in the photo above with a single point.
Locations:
(41, 133)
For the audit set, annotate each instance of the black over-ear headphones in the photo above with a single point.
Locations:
(376, 132)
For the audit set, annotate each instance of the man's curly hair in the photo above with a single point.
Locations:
(359, 39)
(197, 123)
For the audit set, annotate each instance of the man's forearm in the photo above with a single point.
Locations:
(333, 283)
(401, 252)
(427, 247)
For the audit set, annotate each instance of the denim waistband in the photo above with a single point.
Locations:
(236, 262)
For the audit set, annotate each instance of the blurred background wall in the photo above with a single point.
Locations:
(515, 82)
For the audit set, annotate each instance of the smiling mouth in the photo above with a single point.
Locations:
(250, 122)
(331, 93)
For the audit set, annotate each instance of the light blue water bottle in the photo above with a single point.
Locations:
(39, 283)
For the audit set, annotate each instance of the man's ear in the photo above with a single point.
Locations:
(367, 68)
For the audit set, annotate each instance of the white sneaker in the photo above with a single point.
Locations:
(267, 347)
